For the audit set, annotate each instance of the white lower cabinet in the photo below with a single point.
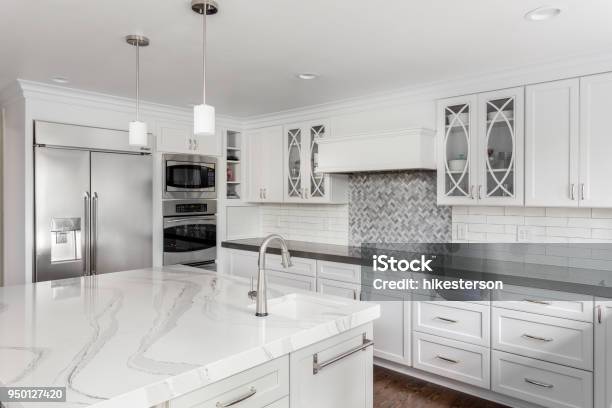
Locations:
(337, 288)
(453, 359)
(334, 373)
(546, 338)
(392, 333)
(463, 321)
(540, 382)
(258, 387)
(544, 302)
(291, 280)
(603, 353)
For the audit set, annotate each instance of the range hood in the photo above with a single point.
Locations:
(403, 149)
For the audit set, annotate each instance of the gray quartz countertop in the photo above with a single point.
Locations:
(575, 268)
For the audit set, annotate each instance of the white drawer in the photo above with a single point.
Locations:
(339, 271)
(337, 288)
(546, 302)
(301, 266)
(560, 341)
(290, 280)
(244, 263)
(259, 386)
(469, 322)
(541, 383)
(453, 359)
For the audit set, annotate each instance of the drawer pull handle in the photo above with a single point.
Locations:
(539, 384)
(237, 400)
(448, 360)
(530, 337)
(446, 319)
(316, 366)
(538, 302)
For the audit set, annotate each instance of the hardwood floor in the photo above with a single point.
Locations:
(394, 390)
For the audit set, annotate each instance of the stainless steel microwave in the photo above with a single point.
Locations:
(189, 176)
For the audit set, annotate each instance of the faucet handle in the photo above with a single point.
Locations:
(252, 294)
(286, 259)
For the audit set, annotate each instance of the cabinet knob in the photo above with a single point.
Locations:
(573, 192)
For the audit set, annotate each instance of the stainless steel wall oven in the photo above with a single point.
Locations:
(190, 232)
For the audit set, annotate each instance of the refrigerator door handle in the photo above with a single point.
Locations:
(94, 232)
(85, 233)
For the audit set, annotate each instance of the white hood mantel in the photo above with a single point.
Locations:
(402, 149)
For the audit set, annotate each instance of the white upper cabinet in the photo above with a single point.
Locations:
(303, 182)
(501, 147)
(265, 161)
(178, 137)
(456, 147)
(595, 141)
(480, 145)
(552, 128)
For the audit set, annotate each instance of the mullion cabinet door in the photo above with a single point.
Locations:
(456, 142)
(500, 152)
(294, 142)
(317, 184)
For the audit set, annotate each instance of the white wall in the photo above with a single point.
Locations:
(14, 192)
(512, 224)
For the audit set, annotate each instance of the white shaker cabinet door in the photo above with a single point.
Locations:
(595, 141)
(265, 160)
(552, 118)
(334, 373)
(603, 354)
(175, 137)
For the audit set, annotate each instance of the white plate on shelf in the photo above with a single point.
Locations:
(461, 118)
(501, 117)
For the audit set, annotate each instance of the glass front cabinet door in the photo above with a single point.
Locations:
(456, 139)
(481, 150)
(303, 181)
(294, 166)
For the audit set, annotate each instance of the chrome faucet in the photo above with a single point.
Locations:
(261, 309)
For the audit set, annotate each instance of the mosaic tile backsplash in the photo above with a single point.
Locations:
(396, 207)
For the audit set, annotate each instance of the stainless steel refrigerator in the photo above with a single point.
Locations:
(93, 202)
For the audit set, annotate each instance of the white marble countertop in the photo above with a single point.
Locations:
(139, 338)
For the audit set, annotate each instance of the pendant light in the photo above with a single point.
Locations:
(138, 129)
(204, 115)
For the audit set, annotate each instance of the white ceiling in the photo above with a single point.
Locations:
(257, 47)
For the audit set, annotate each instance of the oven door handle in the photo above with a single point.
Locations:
(198, 220)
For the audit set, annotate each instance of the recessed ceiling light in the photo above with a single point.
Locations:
(60, 80)
(543, 13)
(307, 76)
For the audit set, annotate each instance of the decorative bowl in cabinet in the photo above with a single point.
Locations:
(457, 165)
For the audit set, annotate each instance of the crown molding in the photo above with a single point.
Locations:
(542, 71)
(31, 90)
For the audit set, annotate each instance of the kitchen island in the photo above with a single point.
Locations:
(179, 337)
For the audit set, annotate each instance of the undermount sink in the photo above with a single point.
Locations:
(300, 306)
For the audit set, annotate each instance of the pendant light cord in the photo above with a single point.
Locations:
(204, 53)
(137, 80)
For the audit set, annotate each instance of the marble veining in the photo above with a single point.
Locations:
(139, 338)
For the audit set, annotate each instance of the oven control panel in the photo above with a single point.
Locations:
(172, 208)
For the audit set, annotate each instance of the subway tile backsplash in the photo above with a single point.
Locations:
(514, 224)
(307, 222)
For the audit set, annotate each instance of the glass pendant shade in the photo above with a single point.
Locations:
(204, 120)
(138, 133)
